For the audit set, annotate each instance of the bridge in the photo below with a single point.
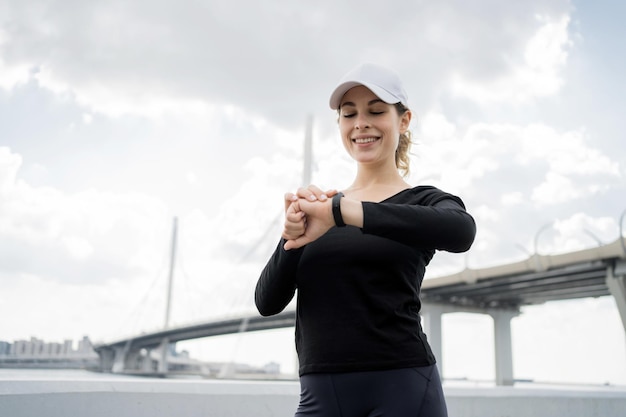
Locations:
(498, 291)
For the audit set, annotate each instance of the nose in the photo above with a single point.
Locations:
(361, 121)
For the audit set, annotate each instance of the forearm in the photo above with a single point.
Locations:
(444, 226)
(276, 285)
(352, 212)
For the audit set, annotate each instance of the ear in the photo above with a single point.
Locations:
(405, 121)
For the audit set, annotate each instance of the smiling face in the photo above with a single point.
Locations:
(369, 127)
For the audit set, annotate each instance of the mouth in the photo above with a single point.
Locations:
(365, 141)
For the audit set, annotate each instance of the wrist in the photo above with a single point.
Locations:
(352, 212)
(336, 209)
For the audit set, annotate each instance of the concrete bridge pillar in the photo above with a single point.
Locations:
(431, 319)
(163, 351)
(145, 359)
(120, 356)
(503, 345)
(107, 358)
(616, 281)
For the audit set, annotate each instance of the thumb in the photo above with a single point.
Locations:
(295, 243)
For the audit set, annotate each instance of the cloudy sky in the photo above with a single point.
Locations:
(117, 116)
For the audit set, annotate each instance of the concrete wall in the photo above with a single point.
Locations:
(156, 398)
(533, 402)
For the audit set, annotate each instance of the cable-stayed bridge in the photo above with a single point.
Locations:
(498, 291)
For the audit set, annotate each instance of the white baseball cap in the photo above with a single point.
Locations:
(382, 81)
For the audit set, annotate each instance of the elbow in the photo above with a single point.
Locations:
(464, 247)
(468, 234)
(272, 299)
(264, 311)
(465, 235)
(261, 306)
(264, 307)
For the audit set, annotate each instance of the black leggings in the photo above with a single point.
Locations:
(407, 392)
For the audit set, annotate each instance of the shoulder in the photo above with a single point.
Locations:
(424, 195)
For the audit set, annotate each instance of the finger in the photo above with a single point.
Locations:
(295, 225)
(319, 194)
(294, 210)
(292, 234)
(306, 194)
(293, 216)
(312, 193)
(295, 243)
(289, 198)
(331, 193)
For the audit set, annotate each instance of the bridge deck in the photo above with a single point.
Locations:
(533, 281)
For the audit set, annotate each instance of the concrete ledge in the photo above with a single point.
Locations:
(126, 397)
(149, 398)
(535, 402)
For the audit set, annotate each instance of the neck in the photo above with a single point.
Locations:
(369, 177)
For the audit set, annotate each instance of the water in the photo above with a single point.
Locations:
(7, 374)
(84, 375)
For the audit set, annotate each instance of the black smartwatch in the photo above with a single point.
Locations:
(336, 202)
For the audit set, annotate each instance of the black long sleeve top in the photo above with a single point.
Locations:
(358, 288)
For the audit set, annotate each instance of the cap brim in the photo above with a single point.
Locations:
(342, 89)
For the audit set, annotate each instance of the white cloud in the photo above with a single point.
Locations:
(10, 163)
(566, 152)
(191, 178)
(556, 189)
(575, 169)
(512, 199)
(546, 52)
(120, 100)
(12, 74)
(279, 53)
(79, 248)
(537, 75)
(486, 212)
(454, 158)
(435, 126)
(552, 166)
(579, 231)
(115, 231)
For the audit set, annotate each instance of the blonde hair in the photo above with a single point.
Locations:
(403, 159)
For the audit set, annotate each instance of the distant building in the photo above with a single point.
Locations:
(272, 368)
(36, 353)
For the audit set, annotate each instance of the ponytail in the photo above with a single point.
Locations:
(403, 160)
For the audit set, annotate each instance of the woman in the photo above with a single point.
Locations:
(358, 260)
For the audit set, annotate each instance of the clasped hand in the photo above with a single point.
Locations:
(308, 215)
